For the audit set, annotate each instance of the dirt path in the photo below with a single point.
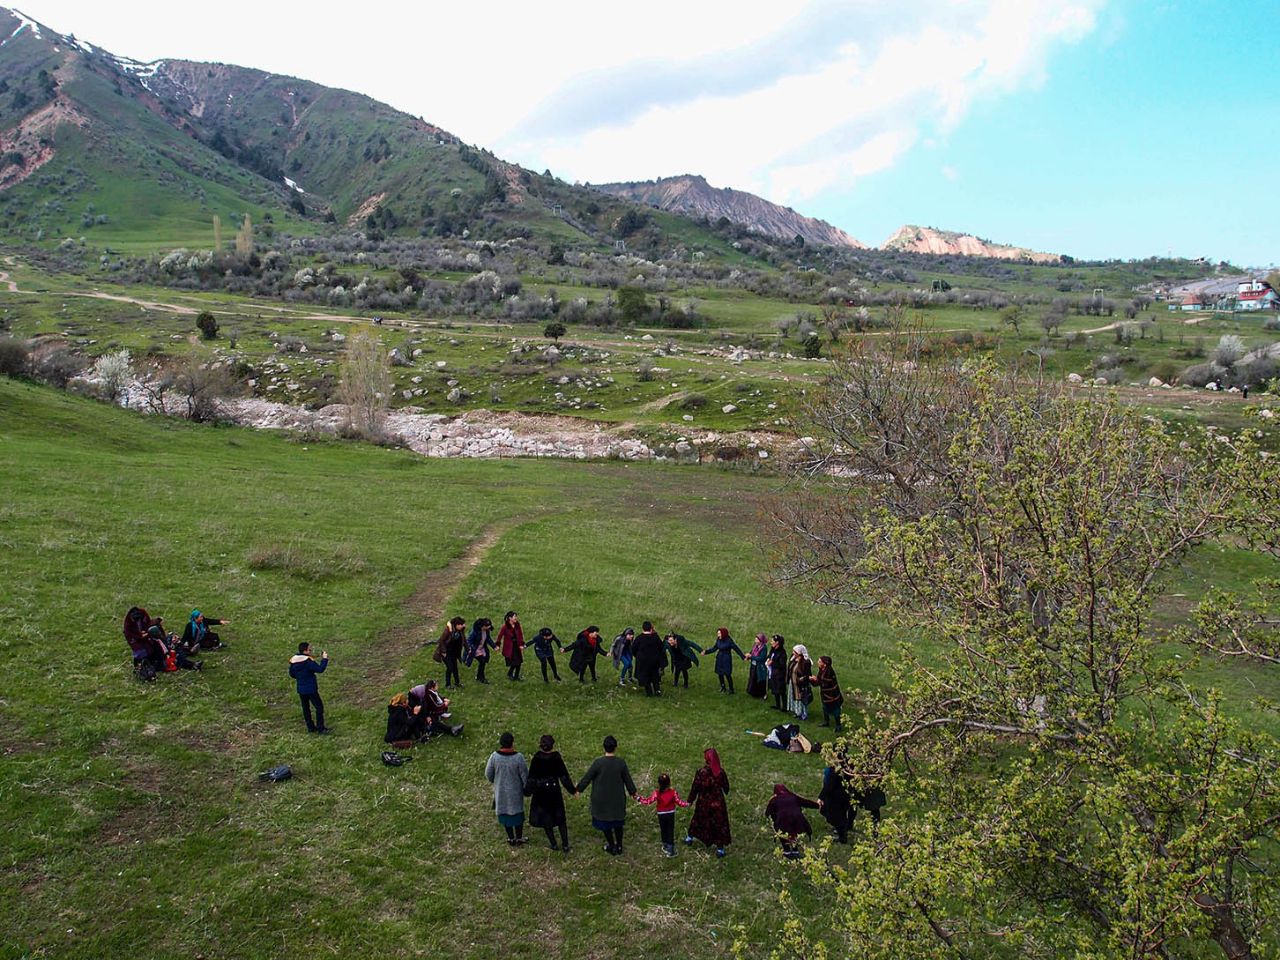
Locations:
(424, 615)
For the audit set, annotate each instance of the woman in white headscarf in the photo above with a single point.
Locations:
(800, 689)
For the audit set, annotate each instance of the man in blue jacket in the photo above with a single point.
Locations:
(303, 668)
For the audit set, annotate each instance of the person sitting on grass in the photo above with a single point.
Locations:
(142, 644)
(586, 648)
(666, 799)
(425, 702)
(196, 635)
(403, 726)
(508, 773)
(304, 669)
(611, 784)
(786, 810)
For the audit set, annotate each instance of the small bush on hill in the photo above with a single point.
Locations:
(14, 357)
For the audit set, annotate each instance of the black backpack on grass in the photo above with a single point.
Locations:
(144, 670)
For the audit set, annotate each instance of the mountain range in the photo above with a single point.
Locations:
(147, 154)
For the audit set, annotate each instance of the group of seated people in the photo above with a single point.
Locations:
(419, 715)
(157, 651)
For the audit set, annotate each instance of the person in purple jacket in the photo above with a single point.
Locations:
(303, 668)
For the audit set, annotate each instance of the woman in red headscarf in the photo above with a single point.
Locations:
(710, 821)
(786, 810)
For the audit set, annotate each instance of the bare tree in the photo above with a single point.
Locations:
(365, 385)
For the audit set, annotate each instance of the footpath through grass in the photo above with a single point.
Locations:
(133, 821)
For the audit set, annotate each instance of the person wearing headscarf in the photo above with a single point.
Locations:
(508, 773)
(710, 820)
(758, 671)
(545, 644)
(650, 656)
(621, 655)
(837, 807)
(450, 647)
(684, 654)
(586, 647)
(829, 691)
(547, 773)
(196, 635)
(786, 810)
(432, 709)
(479, 643)
(725, 648)
(801, 688)
(145, 642)
(511, 638)
(776, 663)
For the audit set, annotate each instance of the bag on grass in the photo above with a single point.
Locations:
(393, 759)
(144, 670)
(277, 774)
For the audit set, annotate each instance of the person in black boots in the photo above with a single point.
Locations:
(586, 648)
(650, 658)
(725, 648)
(452, 643)
(511, 637)
(547, 773)
(545, 645)
(303, 668)
(611, 784)
(479, 643)
(684, 654)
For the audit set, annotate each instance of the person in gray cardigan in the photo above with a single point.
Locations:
(611, 783)
(508, 773)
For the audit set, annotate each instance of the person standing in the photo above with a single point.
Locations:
(709, 794)
(829, 691)
(304, 669)
(799, 670)
(758, 671)
(586, 648)
(547, 773)
(511, 637)
(837, 807)
(508, 773)
(684, 654)
(479, 643)
(545, 645)
(666, 799)
(650, 658)
(622, 657)
(725, 648)
(776, 663)
(786, 810)
(451, 645)
(611, 784)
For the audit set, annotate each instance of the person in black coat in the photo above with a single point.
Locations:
(197, 636)
(777, 663)
(837, 807)
(585, 649)
(402, 723)
(650, 659)
(786, 810)
(452, 642)
(547, 773)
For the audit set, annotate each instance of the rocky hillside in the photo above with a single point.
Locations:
(691, 195)
(913, 239)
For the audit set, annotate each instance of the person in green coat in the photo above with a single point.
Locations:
(611, 784)
(684, 654)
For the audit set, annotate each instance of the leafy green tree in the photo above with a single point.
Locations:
(1060, 785)
(554, 330)
(633, 305)
(1012, 316)
(812, 346)
(207, 324)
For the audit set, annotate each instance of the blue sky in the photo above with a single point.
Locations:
(1149, 135)
(1097, 128)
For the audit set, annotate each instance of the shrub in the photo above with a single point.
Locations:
(694, 401)
(644, 370)
(113, 371)
(1165, 370)
(302, 559)
(15, 355)
(812, 346)
(57, 367)
(554, 331)
(1230, 348)
(1111, 375)
(1202, 374)
(208, 325)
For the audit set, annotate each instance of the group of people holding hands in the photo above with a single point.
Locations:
(643, 658)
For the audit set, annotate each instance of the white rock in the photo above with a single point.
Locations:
(729, 408)
(1074, 378)
(440, 364)
(1156, 382)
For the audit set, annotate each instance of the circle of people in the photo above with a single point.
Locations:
(641, 660)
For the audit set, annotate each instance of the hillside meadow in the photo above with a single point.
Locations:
(133, 816)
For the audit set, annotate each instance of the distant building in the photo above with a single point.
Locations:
(1224, 294)
(1192, 301)
(1256, 295)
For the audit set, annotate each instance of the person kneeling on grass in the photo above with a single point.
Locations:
(433, 710)
(666, 800)
(508, 773)
(611, 784)
(786, 810)
(304, 669)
